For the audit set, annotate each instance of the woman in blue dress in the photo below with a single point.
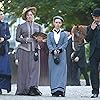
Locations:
(5, 72)
(57, 42)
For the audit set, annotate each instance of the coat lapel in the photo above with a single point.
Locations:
(53, 40)
(60, 38)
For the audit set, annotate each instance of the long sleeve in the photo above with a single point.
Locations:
(65, 42)
(49, 43)
(19, 34)
(7, 34)
(89, 34)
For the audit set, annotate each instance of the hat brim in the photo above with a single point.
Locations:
(95, 15)
(58, 17)
(33, 9)
(40, 34)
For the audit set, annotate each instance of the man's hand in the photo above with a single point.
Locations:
(76, 59)
(94, 25)
(1, 39)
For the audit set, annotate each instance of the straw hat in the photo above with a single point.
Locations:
(25, 10)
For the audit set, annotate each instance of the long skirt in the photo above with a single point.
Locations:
(58, 73)
(44, 70)
(5, 73)
(28, 71)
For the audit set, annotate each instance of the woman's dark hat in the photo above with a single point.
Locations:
(43, 35)
(25, 10)
(58, 17)
(96, 12)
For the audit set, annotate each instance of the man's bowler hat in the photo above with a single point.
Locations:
(96, 12)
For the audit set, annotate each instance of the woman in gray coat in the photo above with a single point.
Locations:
(28, 55)
(57, 43)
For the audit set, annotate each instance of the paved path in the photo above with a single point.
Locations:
(72, 93)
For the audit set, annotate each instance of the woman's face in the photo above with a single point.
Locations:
(1, 15)
(29, 16)
(57, 23)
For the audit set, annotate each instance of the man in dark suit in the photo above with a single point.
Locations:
(93, 36)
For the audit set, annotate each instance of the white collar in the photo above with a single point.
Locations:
(56, 36)
(54, 30)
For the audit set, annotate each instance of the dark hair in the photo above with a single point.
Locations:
(1, 10)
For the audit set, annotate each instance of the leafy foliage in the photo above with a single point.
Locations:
(73, 11)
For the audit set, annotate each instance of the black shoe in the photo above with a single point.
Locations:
(38, 92)
(87, 83)
(34, 91)
(58, 93)
(0, 92)
(62, 94)
(55, 94)
(94, 96)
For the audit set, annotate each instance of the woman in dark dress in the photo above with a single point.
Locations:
(5, 72)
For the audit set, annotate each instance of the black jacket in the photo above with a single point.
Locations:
(91, 37)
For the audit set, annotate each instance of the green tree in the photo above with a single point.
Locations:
(73, 11)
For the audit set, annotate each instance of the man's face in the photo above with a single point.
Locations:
(57, 23)
(1, 15)
(96, 19)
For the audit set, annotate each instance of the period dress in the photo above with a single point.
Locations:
(28, 68)
(5, 71)
(58, 72)
(44, 71)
